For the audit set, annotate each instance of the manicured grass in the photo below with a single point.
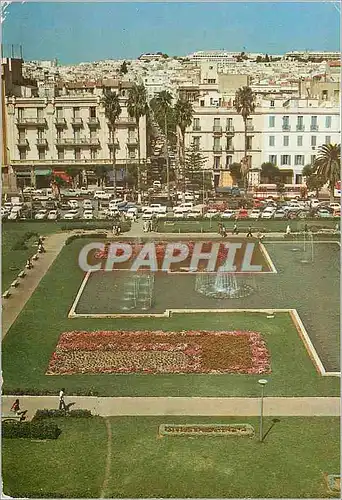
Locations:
(290, 463)
(70, 467)
(263, 225)
(30, 342)
(13, 261)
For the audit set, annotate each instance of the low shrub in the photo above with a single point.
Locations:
(41, 392)
(88, 235)
(42, 414)
(30, 430)
(20, 244)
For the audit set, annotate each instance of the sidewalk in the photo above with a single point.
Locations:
(139, 406)
(16, 302)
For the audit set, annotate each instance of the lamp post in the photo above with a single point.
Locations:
(262, 383)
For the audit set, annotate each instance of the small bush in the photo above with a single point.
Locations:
(30, 430)
(74, 237)
(41, 414)
(46, 392)
(21, 243)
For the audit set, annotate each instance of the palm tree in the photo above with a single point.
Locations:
(162, 104)
(184, 113)
(245, 106)
(110, 102)
(327, 164)
(137, 107)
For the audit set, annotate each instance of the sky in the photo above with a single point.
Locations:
(74, 32)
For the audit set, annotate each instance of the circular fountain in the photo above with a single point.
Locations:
(222, 286)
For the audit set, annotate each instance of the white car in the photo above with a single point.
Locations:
(7, 206)
(87, 205)
(72, 214)
(180, 213)
(314, 202)
(102, 195)
(196, 213)
(156, 184)
(211, 213)
(255, 213)
(88, 214)
(147, 214)
(13, 216)
(41, 214)
(28, 190)
(52, 215)
(112, 213)
(73, 204)
(228, 214)
(268, 213)
(132, 212)
(279, 214)
(335, 206)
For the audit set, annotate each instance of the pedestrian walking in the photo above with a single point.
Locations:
(41, 249)
(145, 226)
(150, 226)
(337, 228)
(16, 409)
(235, 229)
(288, 229)
(62, 405)
(305, 228)
(223, 232)
(220, 226)
(29, 264)
(249, 233)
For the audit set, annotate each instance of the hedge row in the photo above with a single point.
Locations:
(30, 430)
(20, 244)
(88, 235)
(41, 392)
(125, 226)
(42, 414)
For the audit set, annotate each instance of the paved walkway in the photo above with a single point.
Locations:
(143, 406)
(15, 303)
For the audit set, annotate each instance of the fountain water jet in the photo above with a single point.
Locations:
(221, 286)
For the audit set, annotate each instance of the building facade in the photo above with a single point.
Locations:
(46, 135)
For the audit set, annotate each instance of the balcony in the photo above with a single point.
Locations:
(314, 127)
(41, 142)
(250, 128)
(31, 122)
(286, 126)
(60, 121)
(229, 148)
(110, 142)
(125, 121)
(132, 142)
(300, 127)
(217, 149)
(196, 128)
(78, 142)
(77, 121)
(93, 121)
(217, 129)
(229, 129)
(22, 143)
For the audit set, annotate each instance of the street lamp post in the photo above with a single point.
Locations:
(262, 383)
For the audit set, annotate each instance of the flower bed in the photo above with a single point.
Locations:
(159, 352)
(206, 430)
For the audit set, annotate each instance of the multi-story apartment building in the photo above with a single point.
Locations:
(50, 134)
(293, 130)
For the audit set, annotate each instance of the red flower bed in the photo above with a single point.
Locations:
(159, 352)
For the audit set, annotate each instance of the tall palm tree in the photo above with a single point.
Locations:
(245, 106)
(110, 102)
(327, 164)
(184, 113)
(163, 103)
(137, 107)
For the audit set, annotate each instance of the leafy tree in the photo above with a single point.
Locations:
(235, 172)
(111, 104)
(162, 104)
(245, 106)
(194, 161)
(327, 164)
(100, 172)
(183, 114)
(270, 172)
(137, 107)
(314, 182)
(307, 170)
(73, 173)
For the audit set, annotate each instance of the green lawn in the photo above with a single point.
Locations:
(30, 342)
(290, 463)
(266, 226)
(70, 467)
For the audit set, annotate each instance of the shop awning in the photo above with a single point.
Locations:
(43, 172)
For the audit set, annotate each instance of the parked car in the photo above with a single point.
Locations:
(212, 213)
(41, 214)
(314, 202)
(255, 213)
(242, 214)
(102, 195)
(13, 216)
(228, 214)
(73, 204)
(279, 214)
(53, 215)
(7, 206)
(323, 213)
(335, 206)
(64, 206)
(88, 214)
(72, 214)
(268, 213)
(148, 214)
(87, 205)
(132, 212)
